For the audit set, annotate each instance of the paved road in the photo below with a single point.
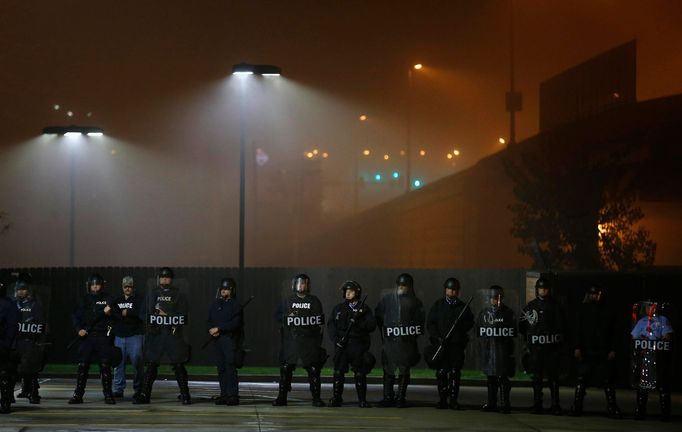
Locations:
(256, 414)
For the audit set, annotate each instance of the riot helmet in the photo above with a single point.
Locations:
(23, 283)
(451, 283)
(594, 294)
(94, 279)
(406, 281)
(353, 286)
(495, 295)
(165, 272)
(542, 283)
(227, 284)
(300, 284)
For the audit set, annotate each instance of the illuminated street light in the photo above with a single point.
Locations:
(417, 183)
(245, 69)
(386, 157)
(449, 156)
(377, 177)
(72, 131)
(363, 118)
(418, 66)
(309, 155)
(366, 152)
(501, 140)
(396, 175)
(325, 155)
(315, 152)
(422, 152)
(455, 152)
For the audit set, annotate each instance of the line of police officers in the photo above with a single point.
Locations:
(399, 316)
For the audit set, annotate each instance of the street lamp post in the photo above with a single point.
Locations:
(246, 69)
(73, 131)
(408, 151)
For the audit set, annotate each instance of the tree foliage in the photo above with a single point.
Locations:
(564, 198)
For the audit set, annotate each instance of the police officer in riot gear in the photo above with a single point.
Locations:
(400, 317)
(91, 321)
(9, 319)
(301, 319)
(496, 326)
(542, 323)
(166, 318)
(595, 338)
(349, 329)
(225, 324)
(450, 359)
(652, 355)
(30, 337)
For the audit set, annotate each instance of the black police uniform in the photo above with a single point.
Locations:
(595, 335)
(450, 360)
(542, 322)
(301, 325)
(349, 330)
(9, 319)
(97, 345)
(496, 326)
(226, 315)
(30, 337)
(166, 318)
(400, 318)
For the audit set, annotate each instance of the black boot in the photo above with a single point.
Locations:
(145, 394)
(640, 408)
(403, 382)
(537, 397)
(285, 373)
(443, 390)
(455, 378)
(491, 405)
(33, 396)
(555, 408)
(361, 388)
(578, 398)
(25, 387)
(105, 369)
(6, 393)
(664, 397)
(611, 408)
(315, 386)
(183, 383)
(81, 380)
(505, 391)
(337, 390)
(389, 395)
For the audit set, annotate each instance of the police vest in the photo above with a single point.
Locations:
(304, 321)
(651, 345)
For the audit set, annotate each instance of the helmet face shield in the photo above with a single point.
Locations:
(300, 284)
(404, 284)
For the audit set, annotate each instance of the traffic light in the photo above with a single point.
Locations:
(377, 177)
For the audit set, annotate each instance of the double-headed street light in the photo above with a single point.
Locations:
(73, 131)
(246, 69)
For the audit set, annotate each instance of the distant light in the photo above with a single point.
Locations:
(69, 113)
(449, 156)
(422, 152)
(501, 140)
(386, 157)
(616, 95)
(396, 175)
(456, 152)
(113, 152)
(325, 155)
(418, 66)
(72, 134)
(309, 155)
(365, 152)
(95, 134)
(417, 183)
(315, 152)
(377, 177)
(363, 117)
(89, 114)
(56, 107)
(402, 152)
